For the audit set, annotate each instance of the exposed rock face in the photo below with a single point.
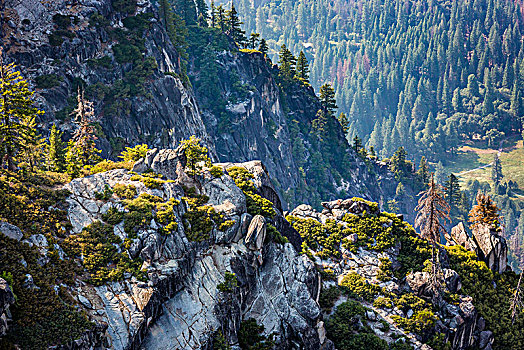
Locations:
(11, 231)
(7, 298)
(492, 248)
(180, 305)
(459, 323)
(487, 243)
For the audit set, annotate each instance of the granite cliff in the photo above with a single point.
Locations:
(122, 55)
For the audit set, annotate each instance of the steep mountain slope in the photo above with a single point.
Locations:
(130, 259)
(124, 57)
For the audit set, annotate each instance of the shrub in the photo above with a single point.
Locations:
(47, 81)
(386, 271)
(113, 216)
(229, 284)
(133, 154)
(216, 171)
(420, 322)
(96, 243)
(256, 204)
(383, 303)
(124, 191)
(250, 336)
(360, 287)
(107, 165)
(274, 235)
(105, 195)
(345, 328)
(152, 183)
(328, 297)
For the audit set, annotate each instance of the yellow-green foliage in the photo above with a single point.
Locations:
(106, 165)
(41, 317)
(132, 154)
(256, 204)
(101, 258)
(140, 212)
(359, 286)
(491, 296)
(324, 239)
(386, 271)
(216, 171)
(383, 303)
(200, 219)
(113, 216)
(249, 51)
(372, 205)
(165, 216)
(420, 322)
(150, 179)
(124, 191)
(25, 202)
(229, 284)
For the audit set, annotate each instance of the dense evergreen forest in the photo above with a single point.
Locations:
(420, 74)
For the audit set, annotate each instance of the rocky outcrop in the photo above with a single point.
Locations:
(7, 298)
(487, 243)
(491, 247)
(180, 304)
(10, 231)
(459, 322)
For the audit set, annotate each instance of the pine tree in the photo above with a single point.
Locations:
(473, 86)
(253, 40)
(423, 170)
(82, 149)
(213, 14)
(221, 18)
(17, 115)
(485, 212)
(357, 144)
(344, 122)
(55, 151)
(203, 12)
(432, 214)
(496, 170)
(452, 190)
(233, 26)
(186, 9)
(440, 176)
(286, 63)
(174, 26)
(302, 67)
(32, 147)
(196, 154)
(263, 46)
(457, 101)
(327, 99)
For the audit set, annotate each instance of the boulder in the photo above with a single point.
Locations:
(492, 248)
(11, 231)
(7, 298)
(459, 236)
(256, 233)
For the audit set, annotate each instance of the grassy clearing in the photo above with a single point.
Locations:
(473, 156)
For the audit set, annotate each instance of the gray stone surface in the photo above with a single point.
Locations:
(11, 231)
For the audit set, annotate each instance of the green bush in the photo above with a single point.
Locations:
(229, 284)
(105, 195)
(360, 287)
(107, 165)
(256, 204)
(250, 336)
(216, 171)
(47, 81)
(272, 234)
(328, 297)
(347, 330)
(420, 322)
(383, 303)
(124, 191)
(133, 154)
(113, 216)
(385, 272)
(96, 244)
